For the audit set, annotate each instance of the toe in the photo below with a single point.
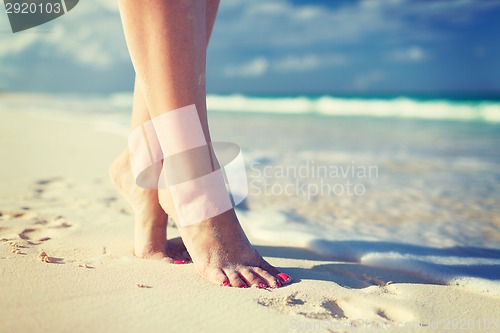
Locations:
(173, 260)
(282, 277)
(269, 279)
(285, 278)
(234, 279)
(217, 276)
(252, 279)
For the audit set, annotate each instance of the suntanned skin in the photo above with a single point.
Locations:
(167, 42)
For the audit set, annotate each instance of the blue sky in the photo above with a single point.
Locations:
(279, 47)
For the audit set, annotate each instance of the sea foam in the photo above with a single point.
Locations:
(400, 107)
(403, 248)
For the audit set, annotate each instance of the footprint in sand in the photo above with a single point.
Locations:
(362, 306)
(30, 226)
(33, 220)
(296, 304)
(43, 188)
(24, 231)
(48, 180)
(7, 215)
(47, 231)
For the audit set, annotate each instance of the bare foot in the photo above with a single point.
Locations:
(150, 219)
(222, 253)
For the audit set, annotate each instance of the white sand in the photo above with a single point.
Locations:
(55, 196)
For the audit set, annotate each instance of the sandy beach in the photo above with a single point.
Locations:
(55, 197)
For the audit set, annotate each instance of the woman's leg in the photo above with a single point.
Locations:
(167, 44)
(166, 41)
(150, 218)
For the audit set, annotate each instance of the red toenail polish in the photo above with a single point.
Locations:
(283, 277)
(262, 285)
(243, 286)
(225, 283)
(180, 262)
(278, 284)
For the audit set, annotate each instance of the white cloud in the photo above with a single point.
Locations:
(365, 80)
(292, 63)
(293, 38)
(308, 62)
(12, 46)
(410, 54)
(254, 68)
(90, 34)
(280, 24)
(453, 11)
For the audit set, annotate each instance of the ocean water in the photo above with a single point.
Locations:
(406, 184)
